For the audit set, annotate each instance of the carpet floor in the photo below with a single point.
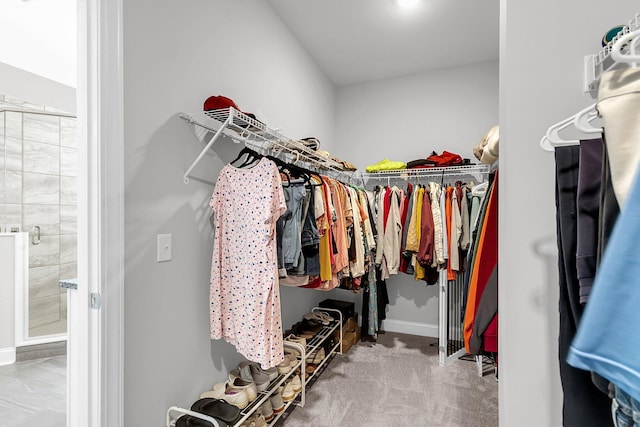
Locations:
(397, 382)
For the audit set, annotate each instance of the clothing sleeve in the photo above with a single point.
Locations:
(437, 224)
(464, 216)
(279, 203)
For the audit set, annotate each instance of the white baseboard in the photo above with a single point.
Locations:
(411, 328)
(7, 356)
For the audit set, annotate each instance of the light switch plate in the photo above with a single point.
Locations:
(164, 247)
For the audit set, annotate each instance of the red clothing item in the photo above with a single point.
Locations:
(427, 233)
(387, 206)
(445, 159)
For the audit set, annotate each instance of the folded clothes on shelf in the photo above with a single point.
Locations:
(447, 158)
(386, 165)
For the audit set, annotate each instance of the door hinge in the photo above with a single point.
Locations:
(96, 301)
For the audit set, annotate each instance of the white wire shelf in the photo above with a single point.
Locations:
(479, 172)
(598, 64)
(208, 126)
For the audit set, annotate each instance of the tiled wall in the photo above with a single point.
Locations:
(38, 187)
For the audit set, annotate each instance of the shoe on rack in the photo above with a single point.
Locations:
(296, 383)
(319, 356)
(306, 335)
(310, 357)
(288, 394)
(297, 339)
(276, 403)
(242, 372)
(225, 391)
(249, 386)
(260, 377)
(310, 369)
(313, 318)
(223, 411)
(267, 410)
(256, 420)
(293, 356)
(326, 317)
(285, 366)
(272, 373)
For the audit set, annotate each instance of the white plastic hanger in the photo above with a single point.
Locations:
(631, 57)
(480, 189)
(583, 118)
(580, 121)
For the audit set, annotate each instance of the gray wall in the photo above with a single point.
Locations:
(176, 55)
(405, 119)
(541, 57)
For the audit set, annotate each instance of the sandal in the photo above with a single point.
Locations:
(217, 408)
(317, 317)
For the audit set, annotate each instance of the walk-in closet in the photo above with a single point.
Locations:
(345, 213)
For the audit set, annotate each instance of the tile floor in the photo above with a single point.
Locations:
(33, 393)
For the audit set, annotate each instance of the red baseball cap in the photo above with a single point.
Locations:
(220, 102)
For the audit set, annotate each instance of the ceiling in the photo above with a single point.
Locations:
(354, 41)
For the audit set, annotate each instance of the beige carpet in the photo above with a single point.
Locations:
(398, 382)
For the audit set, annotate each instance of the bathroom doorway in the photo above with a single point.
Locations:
(39, 169)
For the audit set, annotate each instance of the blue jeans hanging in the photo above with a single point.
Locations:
(625, 410)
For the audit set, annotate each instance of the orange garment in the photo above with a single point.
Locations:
(341, 258)
(451, 275)
(485, 262)
(325, 245)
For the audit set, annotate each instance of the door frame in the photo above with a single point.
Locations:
(95, 377)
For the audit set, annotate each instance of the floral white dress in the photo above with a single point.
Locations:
(244, 294)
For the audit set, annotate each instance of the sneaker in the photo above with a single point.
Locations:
(267, 410)
(249, 386)
(293, 357)
(300, 340)
(276, 403)
(288, 394)
(225, 391)
(256, 370)
(243, 372)
(257, 375)
(285, 366)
